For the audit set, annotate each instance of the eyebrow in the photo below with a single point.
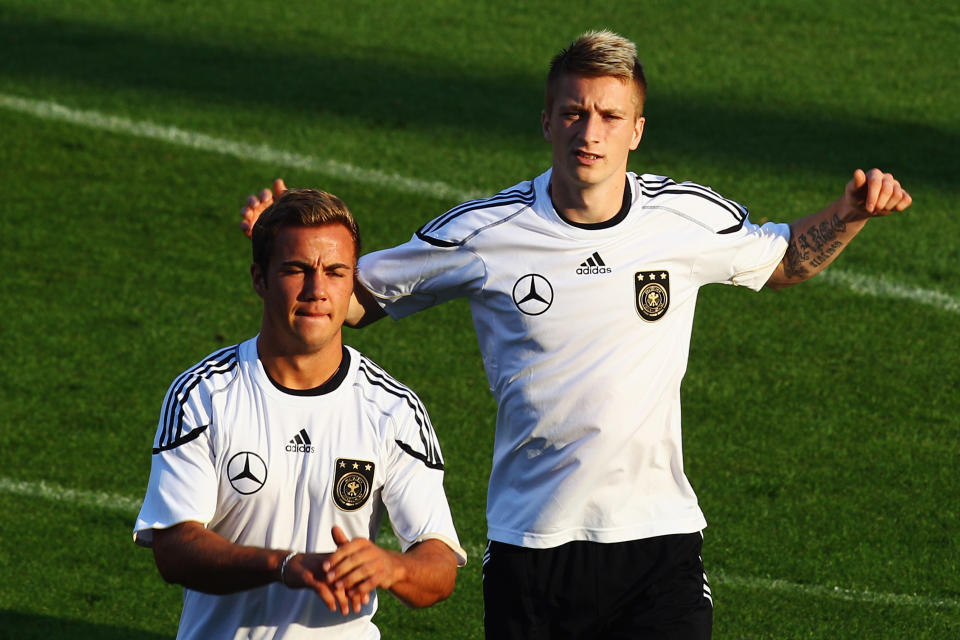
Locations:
(577, 105)
(308, 265)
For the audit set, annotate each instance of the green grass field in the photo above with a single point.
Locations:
(821, 423)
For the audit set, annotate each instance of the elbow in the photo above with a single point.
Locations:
(427, 599)
(429, 593)
(777, 284)
(443, 592)
(168, 569)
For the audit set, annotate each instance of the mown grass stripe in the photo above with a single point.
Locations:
(45, 109)
(131, 507)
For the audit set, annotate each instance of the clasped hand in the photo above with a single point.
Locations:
(343, 579)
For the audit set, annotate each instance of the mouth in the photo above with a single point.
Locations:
(589, 158)
(310, 314)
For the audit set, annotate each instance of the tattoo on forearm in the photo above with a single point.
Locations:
(814, 247)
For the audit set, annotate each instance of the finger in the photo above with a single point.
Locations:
(339, 537)
(859, 178)
(357, 601)
(326, 594)
(905, 201)
(870, 192)
(340, 600)
(279, 187)
(349, 553)
(343, 600)
(334, 598)
(898, 199)
(342, 562)
(855, 188)
(362, 588)
(266, 197)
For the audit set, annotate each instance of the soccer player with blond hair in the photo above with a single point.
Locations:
(583, 283)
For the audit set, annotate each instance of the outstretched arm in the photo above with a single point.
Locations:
(191, 555)
(816, 240)
(422, 576)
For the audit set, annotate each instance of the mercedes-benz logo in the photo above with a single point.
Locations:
(532, 294)
(247, 472)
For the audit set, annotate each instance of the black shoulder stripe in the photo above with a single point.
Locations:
(380, 378)
(177, 387)
(510, 196)
(433, 464)
(434, 241)
(668, 186)
(174, 407)
(223, 361)
(428, 437)
(502, 199)
(734, 228)
(193, 435)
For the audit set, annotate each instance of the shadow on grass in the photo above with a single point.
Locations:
(25, 626)
(397, 95)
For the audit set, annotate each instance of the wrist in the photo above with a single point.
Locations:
(284, 567)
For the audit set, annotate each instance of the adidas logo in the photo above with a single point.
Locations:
(301, 443)
(593, 264)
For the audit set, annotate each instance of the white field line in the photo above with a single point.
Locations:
(866, 285)
(880, 287)
(131, 506)
(47, 491)
(47, 110)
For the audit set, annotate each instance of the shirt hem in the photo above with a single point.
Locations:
(532, 540)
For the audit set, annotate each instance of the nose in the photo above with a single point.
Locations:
(591, 127)
(314, 286)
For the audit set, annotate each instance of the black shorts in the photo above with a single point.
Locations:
(652, 588)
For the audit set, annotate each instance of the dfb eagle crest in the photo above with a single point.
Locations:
(353, 483)
(652, 294)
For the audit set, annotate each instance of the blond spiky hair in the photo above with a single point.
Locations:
(595, 54)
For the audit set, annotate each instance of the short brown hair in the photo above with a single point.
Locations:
(596, 54)
(300, 208)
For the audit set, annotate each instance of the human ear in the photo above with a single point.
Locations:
(259, 279)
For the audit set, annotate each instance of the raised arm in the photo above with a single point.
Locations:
(191, 555)
(816, 240)
(422, 576)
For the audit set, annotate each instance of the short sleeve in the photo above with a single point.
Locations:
(183, 480)
(745, 257)
(413, 489)
(418, 274)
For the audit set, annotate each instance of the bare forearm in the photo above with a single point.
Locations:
(202, 560)
(815, 242)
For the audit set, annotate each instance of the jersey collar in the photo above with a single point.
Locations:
(606, 224)
(330, 385)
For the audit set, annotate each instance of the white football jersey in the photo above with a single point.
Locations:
(584, 332)
(271, 468)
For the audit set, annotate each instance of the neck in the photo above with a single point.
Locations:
(587, 205)
(299, 370)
